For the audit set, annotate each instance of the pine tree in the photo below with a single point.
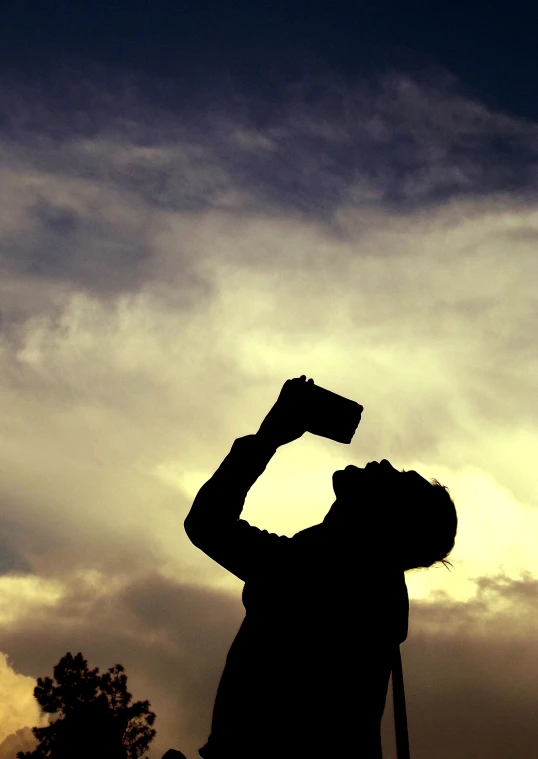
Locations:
(95, 718)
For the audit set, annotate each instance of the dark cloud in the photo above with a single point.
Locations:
(22, 539)
(21, 740)
(469, 668)
(392, 141)
(172, 639)
(470, 673)
(10, 562)
(12, 548)
(112, 260)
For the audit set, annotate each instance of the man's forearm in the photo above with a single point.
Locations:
(221, 499)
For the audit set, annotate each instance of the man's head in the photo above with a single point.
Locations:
(401, 512)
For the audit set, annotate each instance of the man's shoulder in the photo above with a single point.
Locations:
(308, 535)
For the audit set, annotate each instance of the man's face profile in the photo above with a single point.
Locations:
(353, 481)
(378, 478)
(379, 495)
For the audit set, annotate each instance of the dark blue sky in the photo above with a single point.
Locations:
(262, 44)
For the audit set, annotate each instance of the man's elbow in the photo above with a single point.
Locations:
(199, 529)
(192, 528)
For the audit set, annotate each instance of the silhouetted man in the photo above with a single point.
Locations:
(307, 674)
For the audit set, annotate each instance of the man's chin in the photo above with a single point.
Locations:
(338, 482)
(342, 480)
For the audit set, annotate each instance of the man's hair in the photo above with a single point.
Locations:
(433, 535)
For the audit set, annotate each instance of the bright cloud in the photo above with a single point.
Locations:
(18, 708)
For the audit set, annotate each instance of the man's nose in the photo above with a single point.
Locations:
(386, 463)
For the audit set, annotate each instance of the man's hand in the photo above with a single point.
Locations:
(287, 419)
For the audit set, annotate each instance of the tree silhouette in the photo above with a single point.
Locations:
(95, 717)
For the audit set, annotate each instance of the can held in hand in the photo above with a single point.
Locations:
(331, 415)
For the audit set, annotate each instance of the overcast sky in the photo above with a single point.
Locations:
(166, 264)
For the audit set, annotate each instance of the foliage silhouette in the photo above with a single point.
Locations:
(95, 717)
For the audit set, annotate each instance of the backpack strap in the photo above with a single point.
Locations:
(400, 714)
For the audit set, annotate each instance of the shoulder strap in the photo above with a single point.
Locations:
(400, 714)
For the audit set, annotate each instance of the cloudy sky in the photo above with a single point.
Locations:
(196, 207)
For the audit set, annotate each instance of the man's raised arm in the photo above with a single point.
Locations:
(213, 523)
